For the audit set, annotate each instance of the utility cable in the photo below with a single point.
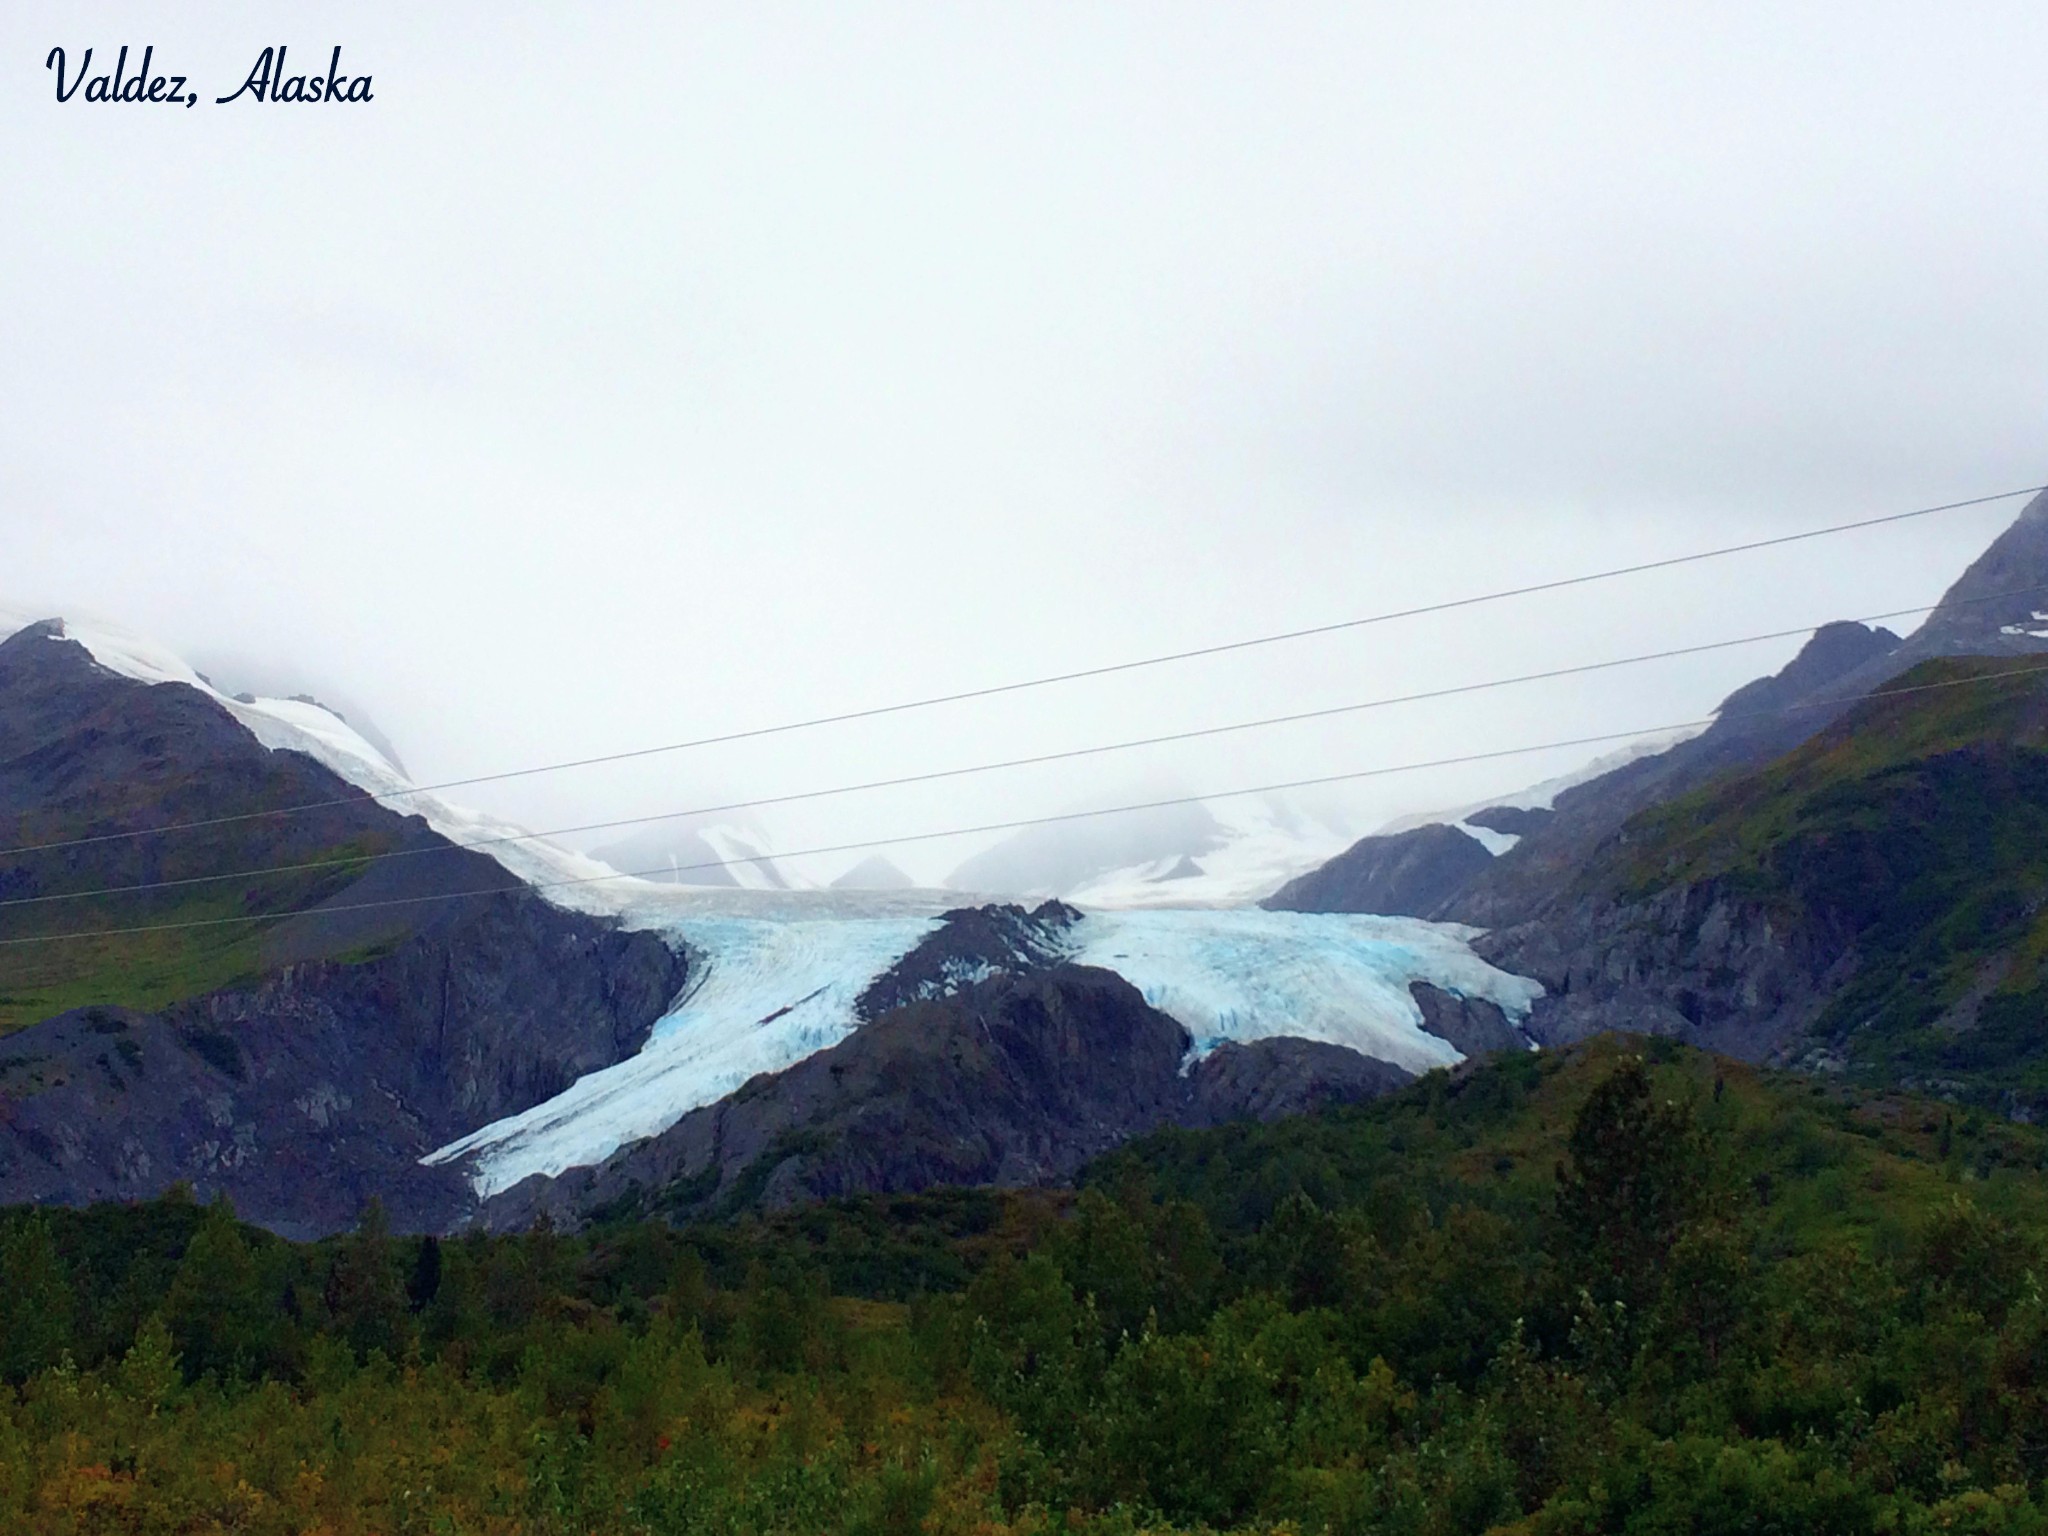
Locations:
(517, 886)
(994, 690)
(363, 860)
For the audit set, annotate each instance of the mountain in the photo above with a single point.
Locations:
(702, 853)
(1837, 873)
(778, 987)
(874, 873)
(430, 1006)
(1413, 873)
(1989, 611)
(1418, 866)
(1214, 853)
(294, 1041)
(1870, 902)
(1059, 857)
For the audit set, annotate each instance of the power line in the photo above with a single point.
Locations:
(517, 886)
(363, 860)
(994, 690)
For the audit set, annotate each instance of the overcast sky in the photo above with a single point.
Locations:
(630, 373)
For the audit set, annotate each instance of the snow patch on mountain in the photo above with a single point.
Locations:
(296, 725)
(1220, 852)
(1495, 843)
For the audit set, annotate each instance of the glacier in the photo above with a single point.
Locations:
(777, 980)
(776, 974)
(767, 991)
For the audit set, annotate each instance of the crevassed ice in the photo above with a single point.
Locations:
(769, 991)
(1244, 974)
(775, 987)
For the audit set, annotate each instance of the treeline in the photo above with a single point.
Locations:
(1621, 1289)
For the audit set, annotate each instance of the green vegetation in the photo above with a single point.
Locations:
(1914, 833)
(1597, 1291)
(148, 971)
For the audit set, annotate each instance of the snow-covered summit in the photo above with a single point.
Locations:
(1227, 851)
(298, 725)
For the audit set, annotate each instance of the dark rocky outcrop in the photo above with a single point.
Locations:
(1472, 1025)
(1012, 1080)
(307, 1092)
(972, 944)
(1271, 1079)
(1697, 963)
(298, 1062)
(1404, 874)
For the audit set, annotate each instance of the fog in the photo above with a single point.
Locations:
(631, 374)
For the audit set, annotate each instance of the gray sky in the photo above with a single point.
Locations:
(628, 373)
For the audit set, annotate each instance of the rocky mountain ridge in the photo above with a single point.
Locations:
(1990, 610)
(295, 1042)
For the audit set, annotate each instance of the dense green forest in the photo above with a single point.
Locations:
(1621, 1288)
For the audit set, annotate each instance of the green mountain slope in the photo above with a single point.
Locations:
(1915, 833)
(1871, 901)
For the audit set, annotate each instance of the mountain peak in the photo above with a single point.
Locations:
(1999, 606)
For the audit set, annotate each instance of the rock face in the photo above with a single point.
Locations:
(304, 1094)
(1474, 1026)
(1407, 874)
(1013, 1080)
(297, 1064)
(972, 944)
(1871, 902)
(1272, 1079)
(1698, 963)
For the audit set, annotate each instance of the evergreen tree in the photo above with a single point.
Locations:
(364, 1298)
(1637, 1175)
(214, 1309)
(35, 1299)
(425, 1283)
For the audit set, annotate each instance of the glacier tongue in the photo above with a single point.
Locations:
(768, 991)
(779, 975)
(1244, 974)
